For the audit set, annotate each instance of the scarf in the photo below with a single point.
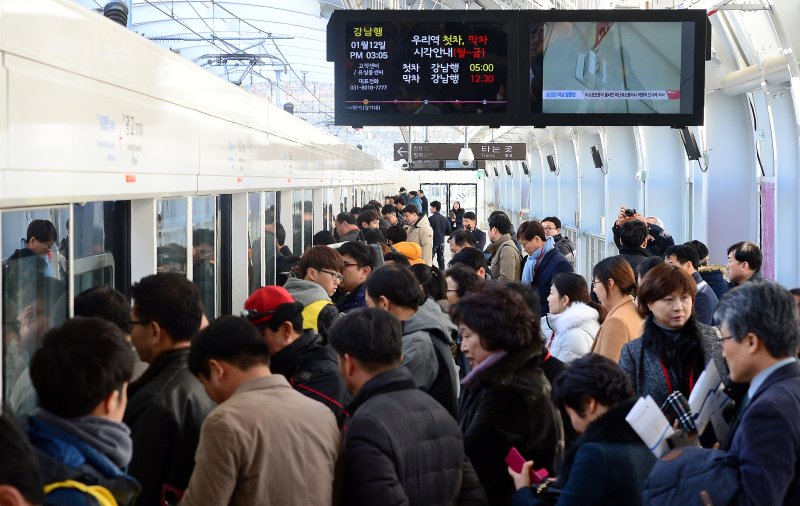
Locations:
(534, 258)
(471, 379)
(112, 439)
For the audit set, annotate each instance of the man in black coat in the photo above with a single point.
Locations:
(633, 239)
(401, 446)
(441, 229)
(471, 224)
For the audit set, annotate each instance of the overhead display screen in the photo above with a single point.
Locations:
(534, 67)
(431, 70)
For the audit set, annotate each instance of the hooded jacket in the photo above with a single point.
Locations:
(714, 275)
(565, 246)
(570, 334)
(506, 264)
(427, 337)
(422, 234)
(319, 313)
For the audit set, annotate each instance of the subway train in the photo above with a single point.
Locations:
(144, 163)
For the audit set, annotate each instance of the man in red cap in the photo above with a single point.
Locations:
(309, 366)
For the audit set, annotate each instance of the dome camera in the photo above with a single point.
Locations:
(404, 163)
(466, 157)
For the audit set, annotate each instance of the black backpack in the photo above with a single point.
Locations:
(691, 476)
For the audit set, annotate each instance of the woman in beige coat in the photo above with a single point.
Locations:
(613, 282)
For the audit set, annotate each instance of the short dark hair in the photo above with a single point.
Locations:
(372, 336)
(469, 256)
(172, 301)
(411, 208)
(746, 251)
(79, 364)
(367, 217)
(396, 283)
(346, 218)
(530, 229)
(702, 249)
(574, 286)
(431, 279)
(469, 215)
(106, 303)
(683, 254)
(320, 257)
(633, 233)
(500, 317)
(323, 238)
(462, 236)
(552, 219)
(467, 280)
(766, 309)
(501, 223)
(662, 280)
(280, 234)
(396, 234)
(369, 207)
(595, 377)
(396, 257)
(435, 204)
(19, 466)
(531, 298)
(413, 192)
(373, 236)
(355, 211)
(389, 209)
(645, 265)
(232, 339)
(399, 200)
(618, 269)
(42, 231)
(358, 251)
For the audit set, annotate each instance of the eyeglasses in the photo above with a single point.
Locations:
(723, 339)
(594, 282)
(334, 275)
(549, 228)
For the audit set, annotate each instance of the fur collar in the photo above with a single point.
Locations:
(577, 314)
(713, 268)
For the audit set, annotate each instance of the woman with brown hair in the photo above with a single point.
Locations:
(674, 348)
(614, 282)
(319, 273)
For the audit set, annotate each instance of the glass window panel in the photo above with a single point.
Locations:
(308, 220)
(297, 221)
(171, 235)
(327, 210)
(34, 299)
(272, 212)
(204, 251)
(93, 241)
(254, 229)
(343, 200)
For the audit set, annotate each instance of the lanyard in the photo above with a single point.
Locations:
(669, 383)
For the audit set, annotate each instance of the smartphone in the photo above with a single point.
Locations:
(515, 461)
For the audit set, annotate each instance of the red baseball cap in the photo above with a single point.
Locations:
(267, 301)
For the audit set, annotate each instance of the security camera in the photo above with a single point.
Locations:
(404, 163)
(466, 157)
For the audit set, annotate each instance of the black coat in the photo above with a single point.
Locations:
(661, 239)
(459, 222)
(554, 262)
(510, 407)
(608, 465)
(402, 447)
(714, 275)
(480, 238)
(440, 226)
(166, 407)
(634, 256)
(313, 370)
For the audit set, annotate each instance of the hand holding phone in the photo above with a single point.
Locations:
(516, 462)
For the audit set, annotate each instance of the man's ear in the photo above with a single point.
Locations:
(10, 496)
(214, 365)
(349, 364)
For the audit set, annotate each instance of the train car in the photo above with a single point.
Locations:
(144, 163)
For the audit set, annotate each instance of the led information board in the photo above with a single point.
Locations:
(424, 67)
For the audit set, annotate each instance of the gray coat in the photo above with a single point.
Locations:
(644, 367)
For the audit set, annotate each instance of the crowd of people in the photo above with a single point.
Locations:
(374, 375)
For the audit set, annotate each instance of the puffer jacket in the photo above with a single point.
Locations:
(401, 447)
(319, 313)
(506, 264)
(565, 246)
(509, 407)
(570, 334)
(166, 408)
(427, 337)
(422, 234)
(714, 275)
(313, 370)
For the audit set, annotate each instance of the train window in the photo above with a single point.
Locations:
(94, 239)
(308, 220)
(205, 269)
(34, 298)
(297, 221)
(272, 228)
(171, 224)
(343, 200)
(327, 209)
(255, 228)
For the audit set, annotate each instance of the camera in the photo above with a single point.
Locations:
(466, 157)
(404, 163)
(630, 212)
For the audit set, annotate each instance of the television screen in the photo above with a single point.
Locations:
(424, 67)
(615, 67)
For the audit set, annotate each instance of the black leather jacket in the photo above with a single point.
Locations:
(166, 407)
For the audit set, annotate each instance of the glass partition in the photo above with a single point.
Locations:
(308, 220)
(271, 214)
(205, 269)
(255, 230)
(171, 223)
(297, 222)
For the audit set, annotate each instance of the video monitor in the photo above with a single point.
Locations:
(613, 67)
(425, 67)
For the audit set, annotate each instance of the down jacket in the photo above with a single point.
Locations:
(422, 234)
(570, 334)
(401, 447)
(509, 407)
(506, 262)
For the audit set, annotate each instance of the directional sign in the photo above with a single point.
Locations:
(449, 151)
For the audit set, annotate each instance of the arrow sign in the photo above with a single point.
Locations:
(401, 152)
(449, 151)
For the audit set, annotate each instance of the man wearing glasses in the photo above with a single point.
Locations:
(40, 241)
(359, 263)
(309, 366)
(552, 227)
